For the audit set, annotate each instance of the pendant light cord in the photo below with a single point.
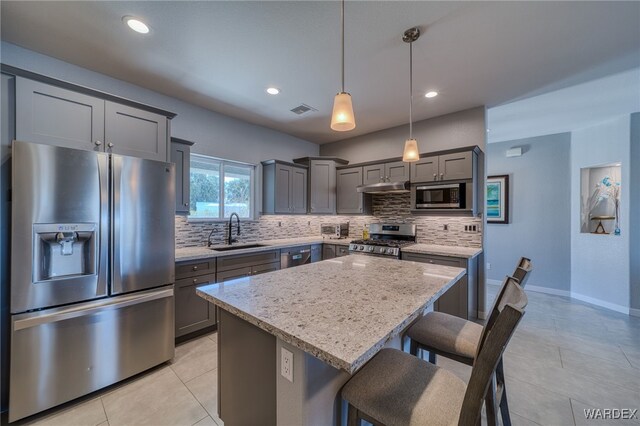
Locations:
(411, 90)
(342, 17)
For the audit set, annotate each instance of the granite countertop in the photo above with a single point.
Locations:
(454, 251)
(342, 310)
(194, 253)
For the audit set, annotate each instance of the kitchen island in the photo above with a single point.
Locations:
(332, 316)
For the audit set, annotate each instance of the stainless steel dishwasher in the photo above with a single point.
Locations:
(295, 256)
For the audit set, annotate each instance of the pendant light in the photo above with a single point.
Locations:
(411, 152)
(342, 119)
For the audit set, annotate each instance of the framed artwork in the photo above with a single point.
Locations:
(497, 196)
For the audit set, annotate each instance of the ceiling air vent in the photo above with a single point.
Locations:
(302, 108)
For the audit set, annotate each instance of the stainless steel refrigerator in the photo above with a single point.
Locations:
(92, 272)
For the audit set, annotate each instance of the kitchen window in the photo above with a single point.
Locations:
(219, 188)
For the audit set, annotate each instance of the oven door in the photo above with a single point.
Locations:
(450, 196)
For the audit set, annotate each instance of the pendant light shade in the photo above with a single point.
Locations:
(342, 118)
(411, 152)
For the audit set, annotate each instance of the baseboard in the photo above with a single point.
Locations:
(590, 300)
(601, 303)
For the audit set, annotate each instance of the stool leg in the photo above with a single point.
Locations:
(504, 405)
(432, 357)
(413, 347)
(490, 403)
(352, 416)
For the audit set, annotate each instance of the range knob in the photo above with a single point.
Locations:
(361, 248)
(390, 251)
(371, 248)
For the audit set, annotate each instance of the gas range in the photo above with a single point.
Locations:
(385, 240)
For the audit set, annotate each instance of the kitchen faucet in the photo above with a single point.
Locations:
(232, 240)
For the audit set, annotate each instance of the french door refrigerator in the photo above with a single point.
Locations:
(92, 272)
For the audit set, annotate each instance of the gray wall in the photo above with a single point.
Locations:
(539, 228)
(215, 134)
(458, 129)
(634, 226)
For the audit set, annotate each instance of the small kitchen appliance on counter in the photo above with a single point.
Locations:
(385, 239)
(334, 230)
(92, 272)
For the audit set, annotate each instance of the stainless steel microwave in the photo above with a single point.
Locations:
(444, 196)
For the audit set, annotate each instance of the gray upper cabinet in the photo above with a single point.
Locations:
(81, 119)
(458, 165)
(349, 201)
(322, 186)
(395, 171)
(454, 166)
(284, 188)
(425, 169)
(136, 133)
(52, 115)
(181, 156)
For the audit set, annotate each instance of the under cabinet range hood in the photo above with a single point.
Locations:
(384, 188)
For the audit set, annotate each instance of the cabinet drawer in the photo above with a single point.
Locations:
(438, 260)
(342, 250)
(233, 274)
(234, 262)
(196, 268)
(199, 280)
(269, 267)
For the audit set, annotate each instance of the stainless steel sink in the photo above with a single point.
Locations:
(236, 247)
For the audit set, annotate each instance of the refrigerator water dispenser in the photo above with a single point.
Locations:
(64, 250)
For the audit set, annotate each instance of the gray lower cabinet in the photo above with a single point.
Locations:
(284, 188)
(342, 250)
(461, 299)
(348, 199)
(328, 251)
(181, 157)
(232, 267)
(193, 313)
(57, 116)
(316, 253)
(233, 274)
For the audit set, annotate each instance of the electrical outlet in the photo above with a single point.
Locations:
(446, 227)
(309, 223)
(286, 364)
(488, 265)
(279, 223)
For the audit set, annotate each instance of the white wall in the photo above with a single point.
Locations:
(215, 134)
(455, 130)
(634, 188)
(600, 264)
(540, 211)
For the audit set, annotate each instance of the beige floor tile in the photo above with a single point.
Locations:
(89, 413)
(581, 419)
(611, 372)
(517, 420)
(205, 389)
(537, 404)
(207, 421)
(157, 399)
(104, 424)
(195, 358)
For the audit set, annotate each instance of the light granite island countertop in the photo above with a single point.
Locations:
(332, 315)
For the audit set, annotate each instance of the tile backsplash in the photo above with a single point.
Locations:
(394, 208)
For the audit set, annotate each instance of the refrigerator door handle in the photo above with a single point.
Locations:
(91, 308)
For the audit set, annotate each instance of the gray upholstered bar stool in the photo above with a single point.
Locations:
(396, 388)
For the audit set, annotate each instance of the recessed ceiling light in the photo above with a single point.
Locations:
(431, 94)
(273, 90)
(136, 25)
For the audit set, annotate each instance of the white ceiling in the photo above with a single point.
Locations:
(222, 55)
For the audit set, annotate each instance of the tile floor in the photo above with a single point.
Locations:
(565, 357)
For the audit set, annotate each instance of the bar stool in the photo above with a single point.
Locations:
(395, 388)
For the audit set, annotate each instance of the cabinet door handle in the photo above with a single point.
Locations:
(435, 176)
(110, 145)
(441, 176)
(98, 143)
(195, 268)
(186, 204)
(195, 280)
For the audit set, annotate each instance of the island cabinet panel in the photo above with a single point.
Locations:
(58, 116)
(193, 313)
(181, 157)
(328, 251)
(55, 116)
(457, 300)
(136, 133)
